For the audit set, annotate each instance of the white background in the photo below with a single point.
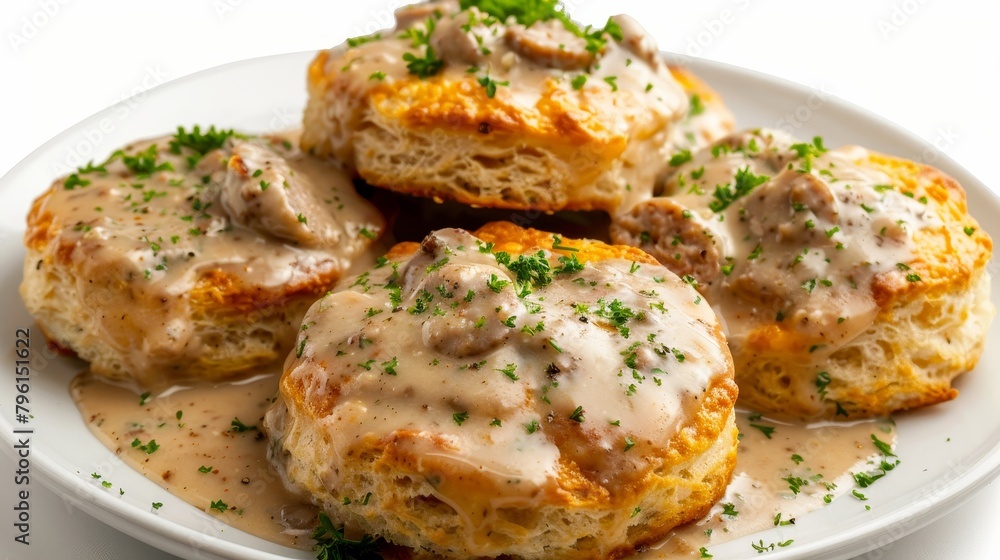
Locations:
(931, 66)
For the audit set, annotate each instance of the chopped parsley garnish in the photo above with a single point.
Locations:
(729, 509)
(200, 143)
(779, 522)
(460, 417)
(331, 544)
(613, 82)
(144, 398)
(557, 244)
(532, 427)
(509, 370)
(822, 381)
(205, 469)
(568, 265)
(761, 548)
(91, 168)
(357, 41)
(882, 446)
(768, 431)
(147, 448)
(157, 505)
(496, 284)
(579, 81)
(809, 151)
(144, 162)
(395, 295)
(240, 427)
(680, 158)
(74, 181)
(866, 479)
(629, 443)
(429, 64)
(617, 313)
(795, 483)
(527, 12)
(745, 182)
(390, 367)
(969, 230)
(809, 285)
(436, 265)
(421, 304)
(577, 414)
(528, 269)
(697, 107)
(529, 330)
(491, 85)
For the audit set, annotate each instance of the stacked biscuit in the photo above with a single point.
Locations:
(515, 392)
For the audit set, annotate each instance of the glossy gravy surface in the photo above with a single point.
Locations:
(258, 503)
(154, 235)
(197, 453)
(444, 333)
(796, 234)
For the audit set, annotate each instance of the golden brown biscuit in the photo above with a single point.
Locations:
(505, 112)
(850, 283)
(191, 256)
(509, 393)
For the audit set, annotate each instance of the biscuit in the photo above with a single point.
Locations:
(504, 112)
(509, 393)
(851, 284)
(191, 256)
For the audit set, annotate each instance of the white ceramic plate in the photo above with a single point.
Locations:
(947, 452)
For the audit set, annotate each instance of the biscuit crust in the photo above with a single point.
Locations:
(505, 123)
(920, 318)
(158, 268)
(554, 474)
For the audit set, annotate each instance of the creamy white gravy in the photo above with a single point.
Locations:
(621, 89)
(259, 504)
(401, 340)
(141, 231)
(798, 469)
(793, 233)
(198, 456)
